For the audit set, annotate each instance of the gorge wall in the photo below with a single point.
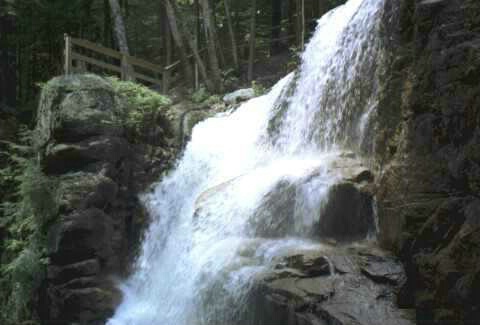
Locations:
(101, 159)
(427, 161)
(83, 143)
(427, 148)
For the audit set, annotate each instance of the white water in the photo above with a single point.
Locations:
(204, 246)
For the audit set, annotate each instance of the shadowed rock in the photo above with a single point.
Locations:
(310, 205)
(84, 143)
(361, 291)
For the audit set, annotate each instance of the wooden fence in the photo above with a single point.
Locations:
(123, 65)
(80, 53)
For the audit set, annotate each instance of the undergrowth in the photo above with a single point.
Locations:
(27, 209)
(141, 101)
(202, 96)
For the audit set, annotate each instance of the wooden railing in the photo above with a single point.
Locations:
(79, 51)
(125, 64)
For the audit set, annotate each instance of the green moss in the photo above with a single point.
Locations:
(141, 101)
(203, 96)
(472, 10)
(200, 95)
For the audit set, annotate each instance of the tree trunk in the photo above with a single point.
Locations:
(107, 24)
(219, 47)
(177, 37)
(232, 33)
(251, 57)
(8, 76)
(210, 34)
(121, 36)
(292, 19)
(119, 27)
(193, 45)
(167, 48)
(302, 25)
(201, 65)
(323, 7)
(316, 8)
(276, 22)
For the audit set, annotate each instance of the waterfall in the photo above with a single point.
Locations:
(225, 212)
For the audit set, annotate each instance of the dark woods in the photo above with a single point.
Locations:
(164, 31)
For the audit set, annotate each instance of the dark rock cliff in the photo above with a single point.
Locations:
(345, 279)
(85, 146)
(427, 186)
(428, 154)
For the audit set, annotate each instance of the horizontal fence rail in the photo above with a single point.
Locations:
(155, 74)
(87, 54)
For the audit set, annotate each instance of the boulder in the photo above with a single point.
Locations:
(348, 285)
(426, 146)
(334, 201)
(77, 107)
(184, 115)
(63, 274)
(239, 96)
(84, 144)
(348, 214)
(274, 217)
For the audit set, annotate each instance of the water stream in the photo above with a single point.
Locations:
(213, 226)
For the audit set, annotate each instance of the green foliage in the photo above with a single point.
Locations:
(472, 9)
(26, 214)
(203, 96)
(258, 89)
(26, 273)
(200, 95)
(295, 58)
(38, 37)
(141, 101)
(230, 78)
(212, 100)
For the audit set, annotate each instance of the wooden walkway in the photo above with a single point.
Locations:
(81, 55)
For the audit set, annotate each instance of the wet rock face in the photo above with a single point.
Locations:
(239, 96)
(348, 214)
(427, 143)
(100, 169)
(310, 206)
(343, 285)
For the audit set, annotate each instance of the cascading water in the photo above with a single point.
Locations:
(215, 222)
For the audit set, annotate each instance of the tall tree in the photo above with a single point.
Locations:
(177, 37)
(232, 33)
(252, 40)
(211, 39)
(7, 62)
(292, 19)
(276, 28)
(107, 24)
(167, 52)
(201, 65)
(193, 45)
(121, 36)
(119, 27)
(302, 24)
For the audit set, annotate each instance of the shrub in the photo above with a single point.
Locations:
(200, 95)
(25, 215)
(141, 100)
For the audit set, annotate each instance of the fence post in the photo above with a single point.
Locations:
(165, 80)
(68, 54)
(124, 67)
(196, 75)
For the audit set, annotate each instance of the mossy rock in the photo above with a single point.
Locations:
(78, 106)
